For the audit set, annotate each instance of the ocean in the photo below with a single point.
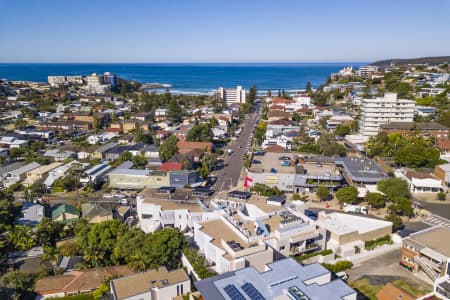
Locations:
(189, 77)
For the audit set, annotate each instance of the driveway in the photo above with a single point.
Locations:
(385, 268)
(229, 175)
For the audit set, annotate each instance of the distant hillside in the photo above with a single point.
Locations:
(436, 60)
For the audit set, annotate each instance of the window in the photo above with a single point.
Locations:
(282, 247)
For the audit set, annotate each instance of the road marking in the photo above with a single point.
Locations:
(435, 220)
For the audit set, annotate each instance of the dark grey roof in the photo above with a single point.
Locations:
(361, 169)
(10, 167)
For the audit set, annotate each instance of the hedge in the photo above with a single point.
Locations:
(198, 263)
(372, 244)
(312, 254)
(339, 266)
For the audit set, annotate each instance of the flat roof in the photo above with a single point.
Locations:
(218, 230)
(434, 238)
(281, 276)
(341, 223)
(140, 283)
(361, 169)
(175, 204)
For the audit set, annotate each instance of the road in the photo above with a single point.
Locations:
(229, 175)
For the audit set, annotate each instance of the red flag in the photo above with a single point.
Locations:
(248, 182)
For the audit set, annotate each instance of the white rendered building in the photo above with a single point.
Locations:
(378, 111)
(236, 95)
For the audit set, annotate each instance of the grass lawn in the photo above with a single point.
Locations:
(416, 290)
(370, 291)
(365, 288)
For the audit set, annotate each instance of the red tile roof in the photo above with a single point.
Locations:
(170, 166)
(443, 144)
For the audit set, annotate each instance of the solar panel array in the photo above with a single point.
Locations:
(252, 292)
(233, 292)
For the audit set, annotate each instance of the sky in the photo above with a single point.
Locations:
(177, 31)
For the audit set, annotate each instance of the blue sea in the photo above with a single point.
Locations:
(190, 77)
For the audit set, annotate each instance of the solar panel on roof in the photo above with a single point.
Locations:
(233, 292)
(252, 292)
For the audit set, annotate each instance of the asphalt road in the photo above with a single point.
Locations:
(229, 175)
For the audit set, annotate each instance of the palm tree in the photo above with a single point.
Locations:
(137, 262)
(21, 238)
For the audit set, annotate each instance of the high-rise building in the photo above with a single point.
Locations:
(110, 79)
(231, 96)
(383, 110)
(94, 80)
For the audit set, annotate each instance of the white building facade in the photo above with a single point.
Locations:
(231, 96)
(379, 111)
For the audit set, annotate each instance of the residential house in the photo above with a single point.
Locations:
(18, 174)
(182, 178)
(443, 145)
(65, 213)
(161, 114)
(39, 173)
(95, 174)
(77, 282)
(177, 210)
(151, 284)
(8, 168)
(59, 154)
(143, 116)
(100, 152)
(443, 173)
(96, 212)
(31, 213)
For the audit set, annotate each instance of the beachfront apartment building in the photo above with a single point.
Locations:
(383, 110)
(236, 95)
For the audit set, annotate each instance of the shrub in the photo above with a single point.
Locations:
(339, 266)
(312, 254)
(372, 244)
(441, 196)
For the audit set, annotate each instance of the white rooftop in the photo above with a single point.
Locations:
(341, 223)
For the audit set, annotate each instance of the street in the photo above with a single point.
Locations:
(229, 175)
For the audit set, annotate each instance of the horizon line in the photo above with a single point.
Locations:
(195, 62)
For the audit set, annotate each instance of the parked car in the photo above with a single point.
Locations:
(108, 196)
(342, 275)
(284, 158)
(311, 214)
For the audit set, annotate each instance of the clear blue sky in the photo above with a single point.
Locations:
(222, 30)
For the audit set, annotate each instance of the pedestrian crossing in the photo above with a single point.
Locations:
(435, 220)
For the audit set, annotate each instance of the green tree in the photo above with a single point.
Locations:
(376, 200)
(394, 188)
(252, 95)
(308, 87)
(21, 238)
(323, 193)
(441, 196)
(342, 130)
(347, 195)
(21, 284)
(396, 221)
(124, 156)
(20, 124)
(175, 113)
(200, 133)
(49, 232)
(139, 161)
(260, 132)
(169, 148)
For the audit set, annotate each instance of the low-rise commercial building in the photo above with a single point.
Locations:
(360, 170)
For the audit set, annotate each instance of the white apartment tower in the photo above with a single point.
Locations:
(383, 110)
(231, 96)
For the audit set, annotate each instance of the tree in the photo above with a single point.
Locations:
(69, 248)
(396, 221)
(347, 195)
(169, 148)
(124, 156)
(441, 196)
(308, 87)
(139, 161)
(323, 193)
(394, 188)
(376, 200)
(200, 133)
(20, 124)
(260, 132)
(21, 283)
(21, 238)
(175, 113)
(342, 130)
(49, 232)
(252, 95)
(143, 137)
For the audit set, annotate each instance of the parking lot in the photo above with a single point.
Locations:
(272, 162)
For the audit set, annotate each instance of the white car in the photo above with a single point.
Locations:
(108, 196)
(120, 196)
(342, 275)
